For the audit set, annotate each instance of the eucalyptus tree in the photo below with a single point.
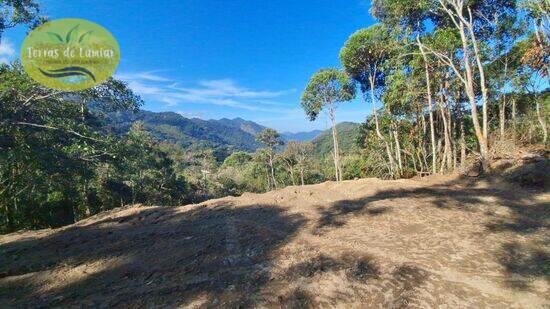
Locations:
(409, 18)
(536, 57)
(506, 63)
(539, 13)
(297, 155)
(325, 90)
(403, 99)
(430, 103)
(261, 159)
(474, 21)
(444, 40)
(288, 158)
(271, 139)
(364, 56)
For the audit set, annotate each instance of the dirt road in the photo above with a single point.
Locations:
(438, 242)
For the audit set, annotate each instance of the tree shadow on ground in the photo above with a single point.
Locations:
(156, 256)
(400, 284)
(529, 215)
(357, 268)
(337, 214)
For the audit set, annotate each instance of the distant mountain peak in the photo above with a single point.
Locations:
(231, 134)
(301, 136)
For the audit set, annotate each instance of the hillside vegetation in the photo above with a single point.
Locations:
(230, 134)
(348, 136)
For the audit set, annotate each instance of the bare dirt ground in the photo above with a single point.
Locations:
(439, 242)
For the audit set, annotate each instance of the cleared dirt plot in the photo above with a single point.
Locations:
(437, 242)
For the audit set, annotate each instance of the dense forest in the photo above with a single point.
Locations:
(448, 86)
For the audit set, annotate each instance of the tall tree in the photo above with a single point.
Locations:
(474, 21)
(271, 139)
(539, 13)
(325, 90)
(364, 57)
(537, 56)
(297, 155)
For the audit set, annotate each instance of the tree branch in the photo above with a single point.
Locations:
(20, 123)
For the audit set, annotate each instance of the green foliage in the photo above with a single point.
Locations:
(237, 159)
(444, 40)
(270, 138)
(59, 164)
(365, 53)
(353, 166)
(326, 87)
(402, 13)
(347, 137)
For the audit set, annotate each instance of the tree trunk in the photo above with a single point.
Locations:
(514, 124)
(398, 151)
(540, 116)
(335, 145)
(482, 82)
(453, 131)
(502, 116)
(291, 170)
(267, 180)
(456, 129)
(480, 133)
(87, 209)
(502, 106)
(302, 175)
(10, 220)
(429, 95)
(447, 149)
(378, 133)
(468, 79)
(272, 170)
(10, 226)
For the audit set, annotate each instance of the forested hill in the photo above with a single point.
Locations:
(233, 134)
(301, 136)
(348, 133)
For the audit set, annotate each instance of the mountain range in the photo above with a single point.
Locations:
(228, 134)
(301, 136)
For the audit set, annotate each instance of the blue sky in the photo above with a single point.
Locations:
(214, 59)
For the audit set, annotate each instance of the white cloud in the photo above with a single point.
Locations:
(221, 92)
(147, 76)
(7, 51)
(190, 115)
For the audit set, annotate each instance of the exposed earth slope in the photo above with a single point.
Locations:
(437, 242)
